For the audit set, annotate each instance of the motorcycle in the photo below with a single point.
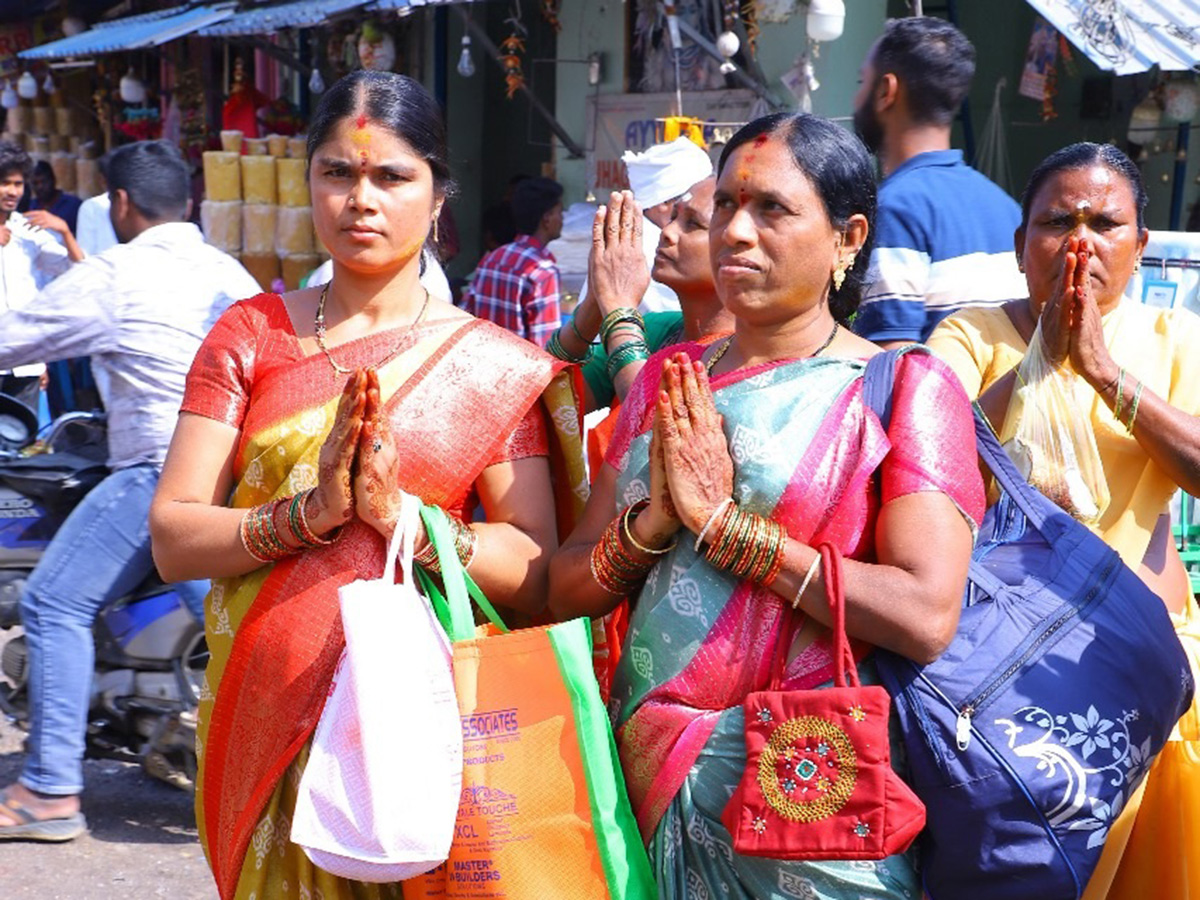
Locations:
(150, 650)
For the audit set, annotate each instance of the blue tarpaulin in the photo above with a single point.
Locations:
(266, 19)
(132, 33)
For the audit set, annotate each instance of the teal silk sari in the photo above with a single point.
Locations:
(809, 455)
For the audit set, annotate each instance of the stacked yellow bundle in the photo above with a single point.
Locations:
(257, 207)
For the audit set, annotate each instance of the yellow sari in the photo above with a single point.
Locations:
(1153, 849)
(459, 394)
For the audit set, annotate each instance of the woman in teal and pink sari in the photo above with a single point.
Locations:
(761, 448)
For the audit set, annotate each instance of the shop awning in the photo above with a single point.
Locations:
(1128, 36)
(132, 33)
(405, 6)
(267, 19)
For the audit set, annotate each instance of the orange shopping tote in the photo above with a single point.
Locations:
(544, 814)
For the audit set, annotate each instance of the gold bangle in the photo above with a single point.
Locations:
(1137, 397)
(633, 542)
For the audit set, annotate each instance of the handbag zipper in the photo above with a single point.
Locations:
(1016, 780)
(962, 726)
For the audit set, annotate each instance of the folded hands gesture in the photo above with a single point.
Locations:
(695, 459)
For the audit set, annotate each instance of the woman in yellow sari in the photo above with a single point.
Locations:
(1081, 238)
(308, 414)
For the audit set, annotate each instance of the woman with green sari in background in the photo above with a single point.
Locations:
(305, 417)
(730, 465)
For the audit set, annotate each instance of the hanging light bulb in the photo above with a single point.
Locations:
(48, 85)
(727, 46)
(826, 19)
(131, 88)
(27, 86)
(73, 25)
(810, 75)
(466, 65)
(8, 97)
(316, 83)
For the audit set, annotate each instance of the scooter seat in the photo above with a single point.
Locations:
(56, 480)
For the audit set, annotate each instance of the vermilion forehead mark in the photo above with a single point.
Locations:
(361, 138)
(744, 169)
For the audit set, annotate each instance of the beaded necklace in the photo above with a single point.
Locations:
(319, 328)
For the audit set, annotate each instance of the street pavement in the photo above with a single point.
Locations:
(142, 841)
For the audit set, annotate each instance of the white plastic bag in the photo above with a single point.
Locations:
(379, 797)
(1048, 434)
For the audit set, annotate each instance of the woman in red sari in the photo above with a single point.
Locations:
(305, 416)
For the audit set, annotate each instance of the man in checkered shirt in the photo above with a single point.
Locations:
(517, 285)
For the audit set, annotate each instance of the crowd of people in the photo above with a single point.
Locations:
(737, 444)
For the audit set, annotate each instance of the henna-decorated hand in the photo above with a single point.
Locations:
(617, 272)
(696, 456)
(660, 520)
(332, 504)
(377, 491)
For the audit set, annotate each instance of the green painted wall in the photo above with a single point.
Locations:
(492, 139)
(600, 26)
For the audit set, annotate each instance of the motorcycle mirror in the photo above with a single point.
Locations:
(18, 423)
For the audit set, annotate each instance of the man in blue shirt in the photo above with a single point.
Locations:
(943, 232)
(47, 196)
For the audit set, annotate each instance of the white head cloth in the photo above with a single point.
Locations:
(665, 171)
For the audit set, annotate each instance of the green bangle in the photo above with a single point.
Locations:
(633, 351)
(617, 317)
(1120, 394)
(575, 328)
(556, 349)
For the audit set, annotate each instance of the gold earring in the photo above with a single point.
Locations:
(1137, 264)
(435, 234)
(839, 276)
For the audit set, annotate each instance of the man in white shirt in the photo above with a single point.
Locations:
(94, 232)
(140, 310)
(93, 229)
(30, 257)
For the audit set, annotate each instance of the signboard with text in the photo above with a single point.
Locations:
(620, 122)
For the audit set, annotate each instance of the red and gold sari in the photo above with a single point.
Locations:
(461, 395)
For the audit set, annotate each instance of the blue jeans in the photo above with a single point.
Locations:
(101, 552)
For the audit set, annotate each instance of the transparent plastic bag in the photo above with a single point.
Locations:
(1048, 435)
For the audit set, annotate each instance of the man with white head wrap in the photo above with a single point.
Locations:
(658, 177)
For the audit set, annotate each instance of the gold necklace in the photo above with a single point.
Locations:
(717, 354)
(319, 329)
(715, 358)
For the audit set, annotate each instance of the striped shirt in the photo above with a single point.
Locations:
(943, 241)
(517, 287)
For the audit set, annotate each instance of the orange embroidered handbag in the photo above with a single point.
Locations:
(819, 782)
